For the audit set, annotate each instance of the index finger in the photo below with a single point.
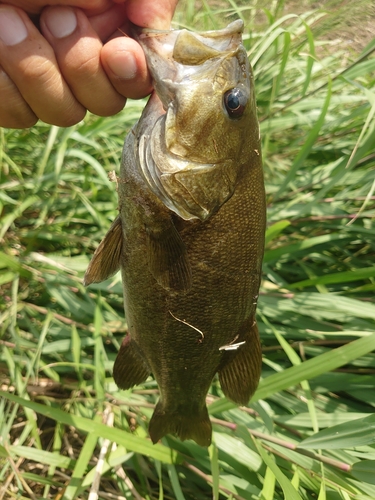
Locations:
(118, 52)
(113, 22)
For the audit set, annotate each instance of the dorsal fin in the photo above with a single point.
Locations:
(107, 257)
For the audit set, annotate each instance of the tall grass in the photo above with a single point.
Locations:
(309, 430)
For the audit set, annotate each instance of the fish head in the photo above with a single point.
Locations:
(208, 126)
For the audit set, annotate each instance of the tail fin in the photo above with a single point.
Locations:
(195, 426)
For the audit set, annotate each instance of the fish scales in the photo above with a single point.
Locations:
(190, 233)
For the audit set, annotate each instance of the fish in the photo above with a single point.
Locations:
(189, 236)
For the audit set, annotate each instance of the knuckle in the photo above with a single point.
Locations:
(38, 69)
(90, 65)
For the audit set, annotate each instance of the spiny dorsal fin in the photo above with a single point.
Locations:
(107, 257)
(168, 259)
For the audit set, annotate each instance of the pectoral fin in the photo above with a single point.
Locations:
(240, 370)
(168, 258)
(107, 257)
(130, 368)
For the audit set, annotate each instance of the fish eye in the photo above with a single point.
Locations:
(235, 102)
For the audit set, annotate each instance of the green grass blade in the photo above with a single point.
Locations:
(8, 219)
(313, 367)
(131, 442)
(77, 153)
(289, 491)
(310, 59)
(275, 230)
(81, 466)
(347, 435)
(42, 456)
(308, 144)
(344, 277)
(99, 356)
(364, 471)
(214, 458)
(268, 489)
(306, 243)
(173, 476)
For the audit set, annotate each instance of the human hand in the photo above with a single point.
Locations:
(78, 61)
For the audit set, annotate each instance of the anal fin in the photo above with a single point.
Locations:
(168, 258)
(194, 425)
(107, 257)
(130, 368)
(241, 368)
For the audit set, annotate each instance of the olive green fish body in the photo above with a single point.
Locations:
(190, 233)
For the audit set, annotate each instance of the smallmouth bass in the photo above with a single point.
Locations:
(189, 236)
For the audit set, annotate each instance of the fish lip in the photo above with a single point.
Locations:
(235, 27)
(159, 47)
(222, 40)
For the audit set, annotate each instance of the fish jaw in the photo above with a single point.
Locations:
(164, 48)
(193, 154)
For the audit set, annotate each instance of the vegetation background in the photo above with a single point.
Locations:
(309, 431)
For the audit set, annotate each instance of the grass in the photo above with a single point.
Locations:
(309, 430)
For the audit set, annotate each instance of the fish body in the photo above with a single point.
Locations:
(189, 237)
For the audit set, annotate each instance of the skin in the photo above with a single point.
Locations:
(56, 74)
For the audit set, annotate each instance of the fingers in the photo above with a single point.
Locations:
(58, 74)
(109, 24)
(122, 58)
(77, 48)
(14, 111)
(38, 86)
(35, 6)
(125, 64)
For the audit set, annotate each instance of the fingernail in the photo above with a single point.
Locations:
(123, 65)
(61, 21)
(12, 28)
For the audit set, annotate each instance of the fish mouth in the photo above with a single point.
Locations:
(164, 48)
